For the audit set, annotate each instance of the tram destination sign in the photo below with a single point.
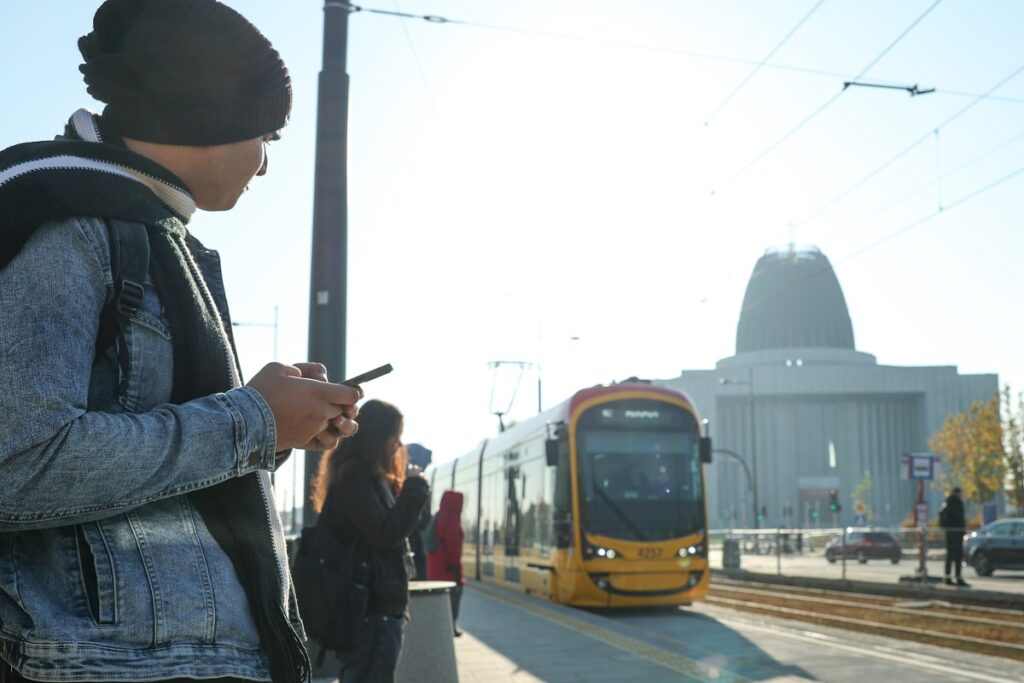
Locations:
(635, 414)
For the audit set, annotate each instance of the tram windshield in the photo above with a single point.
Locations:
(640, 476)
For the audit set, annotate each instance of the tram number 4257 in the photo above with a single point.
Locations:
(649, 553)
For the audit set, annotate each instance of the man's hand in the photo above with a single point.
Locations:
(309, 412)
(341, 427)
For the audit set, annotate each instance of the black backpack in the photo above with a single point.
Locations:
(431, 541)
(332, 585)
(129, 264)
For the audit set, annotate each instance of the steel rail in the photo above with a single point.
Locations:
(882, 608)
(1018, 650)
(719, 581)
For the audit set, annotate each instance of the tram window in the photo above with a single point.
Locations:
(466, 483)
(532, 501)
(640, 485)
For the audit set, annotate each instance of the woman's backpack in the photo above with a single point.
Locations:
(332, 586)
(430, 541)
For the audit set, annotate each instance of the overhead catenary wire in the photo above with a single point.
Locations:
(419, 65)
(760, 64)
(924, 219)
(886, 238)
(830, 101)
(708, 56)
(920, 188)
(899, 155)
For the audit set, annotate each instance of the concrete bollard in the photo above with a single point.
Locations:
(428, 645)
(731, 553)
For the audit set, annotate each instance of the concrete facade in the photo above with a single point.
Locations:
(806, 419)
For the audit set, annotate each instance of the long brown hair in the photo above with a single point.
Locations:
(380, 428)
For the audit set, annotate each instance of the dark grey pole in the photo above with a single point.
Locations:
(327, 293)
(753, 445)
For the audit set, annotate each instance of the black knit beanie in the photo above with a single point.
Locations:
(184, 72)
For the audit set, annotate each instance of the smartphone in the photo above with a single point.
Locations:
(367, 376)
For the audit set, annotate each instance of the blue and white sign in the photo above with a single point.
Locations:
(917, 466)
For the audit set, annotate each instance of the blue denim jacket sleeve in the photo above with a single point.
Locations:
(61, 463)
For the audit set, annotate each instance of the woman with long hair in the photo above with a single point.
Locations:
(371, 497)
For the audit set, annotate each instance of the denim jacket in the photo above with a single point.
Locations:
(107, 572)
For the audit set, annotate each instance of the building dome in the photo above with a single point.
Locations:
(793, 300)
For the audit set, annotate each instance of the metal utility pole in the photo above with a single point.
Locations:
(329, 271)
(753, 443)
(753, 437)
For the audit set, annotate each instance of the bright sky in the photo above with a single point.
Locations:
(610, 171)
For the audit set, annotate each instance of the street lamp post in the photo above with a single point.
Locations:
(746, 470)
(537, 365)
(753, 437)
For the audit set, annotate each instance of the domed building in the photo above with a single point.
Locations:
(806, 413)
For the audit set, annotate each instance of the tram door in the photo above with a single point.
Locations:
(513, 517)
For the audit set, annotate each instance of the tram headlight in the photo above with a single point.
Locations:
(596, 551)
(691, 550)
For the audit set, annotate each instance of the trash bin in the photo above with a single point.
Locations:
(428, 644)
(731, 553)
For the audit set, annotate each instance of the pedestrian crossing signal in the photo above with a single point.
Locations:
(833, 502)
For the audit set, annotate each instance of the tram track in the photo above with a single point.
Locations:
(986, 630)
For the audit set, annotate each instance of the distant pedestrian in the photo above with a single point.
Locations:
(420, 457)
(953, 521)
(444, 557)
(374, 501)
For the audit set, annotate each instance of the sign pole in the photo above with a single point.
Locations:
(922, 523)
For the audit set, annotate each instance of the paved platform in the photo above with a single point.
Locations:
(509, 637)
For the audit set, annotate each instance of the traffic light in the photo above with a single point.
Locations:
(814, 514)
(833, 500)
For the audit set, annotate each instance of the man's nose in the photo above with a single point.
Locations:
(263, 166)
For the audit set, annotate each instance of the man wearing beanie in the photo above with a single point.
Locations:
(139, 540)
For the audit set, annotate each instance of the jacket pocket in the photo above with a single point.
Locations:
(99, 578)
(150, 354)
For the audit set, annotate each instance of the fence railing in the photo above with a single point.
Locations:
(840, 552)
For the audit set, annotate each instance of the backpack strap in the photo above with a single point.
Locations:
(129, 264)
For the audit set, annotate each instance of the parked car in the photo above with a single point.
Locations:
(865, 545)
(997, 545)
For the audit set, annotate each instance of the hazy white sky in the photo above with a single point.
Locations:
(587, 168)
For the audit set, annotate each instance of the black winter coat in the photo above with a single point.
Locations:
(952, 514)
(366, 508)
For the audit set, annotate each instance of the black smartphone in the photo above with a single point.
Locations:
(367, 376)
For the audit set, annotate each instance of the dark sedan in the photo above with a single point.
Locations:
(865, 545)
(997, 545)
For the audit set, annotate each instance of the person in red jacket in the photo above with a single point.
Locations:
(444, 548)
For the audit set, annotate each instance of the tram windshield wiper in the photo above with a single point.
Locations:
(613, 506)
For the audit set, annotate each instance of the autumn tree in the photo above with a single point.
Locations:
(862, 494)
(1013, 434)
(971, 443)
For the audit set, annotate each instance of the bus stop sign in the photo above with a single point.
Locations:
(917, 466)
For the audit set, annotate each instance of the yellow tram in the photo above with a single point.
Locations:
(599, 501)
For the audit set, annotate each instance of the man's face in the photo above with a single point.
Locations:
(231, 167)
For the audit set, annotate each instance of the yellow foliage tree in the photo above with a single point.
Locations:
(1014, 433)
(971, 443)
